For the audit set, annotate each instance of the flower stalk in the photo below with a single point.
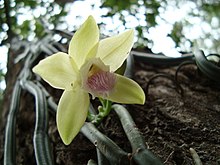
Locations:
(103, 111)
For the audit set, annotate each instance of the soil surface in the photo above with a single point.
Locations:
(171, 123)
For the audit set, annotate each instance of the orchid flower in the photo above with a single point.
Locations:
(89, 68)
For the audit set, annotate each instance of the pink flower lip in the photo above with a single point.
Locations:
(100, 82)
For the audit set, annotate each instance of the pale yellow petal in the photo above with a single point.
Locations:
(71, 114)
(83, 41)
(127, 91)
(114, 50)
(57, 70)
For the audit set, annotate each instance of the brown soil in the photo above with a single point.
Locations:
(170, 123)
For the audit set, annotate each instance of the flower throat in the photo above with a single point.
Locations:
(100, 82)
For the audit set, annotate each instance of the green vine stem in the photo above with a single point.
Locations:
(108, 148)
(9, 145)
(101, 158)
(91, 162)
(141, 154)
(195, 157)
(150, 58)
(208, 68)
(41, 140)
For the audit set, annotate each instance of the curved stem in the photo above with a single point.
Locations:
(195, 157)
(141, 154)
(178, 86)
(108, 148)
(208, 68)
(41, 140)
(104, 110)
(180, 66)
(91, 162)
(161, 60)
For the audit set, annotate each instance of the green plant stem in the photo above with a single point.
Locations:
(155, 59)
(208, 68)
(108, 148)
(91, 162)
(195, 157)
(104, 110)
(9, 146)
(141, 154)
(41, 140)
(101, 158)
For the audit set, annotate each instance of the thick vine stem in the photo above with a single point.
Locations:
(101, 158)
(9, 146)
(91, 162)
(195, 157)
(155, 59)
(41, 140)
(141, 155)
(108, 148)
(208, 68)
